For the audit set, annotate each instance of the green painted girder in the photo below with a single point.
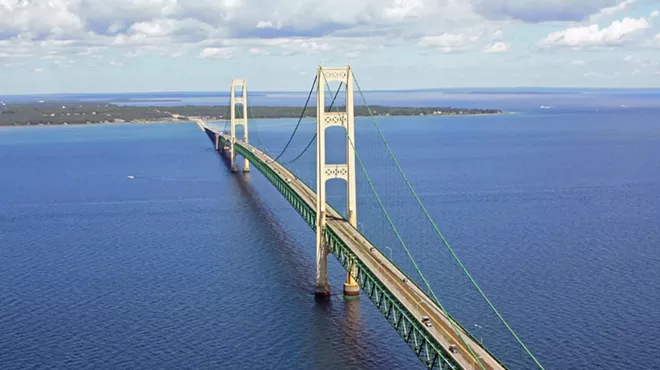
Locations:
(423, 344)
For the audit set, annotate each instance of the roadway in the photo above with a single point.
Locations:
(413, 298)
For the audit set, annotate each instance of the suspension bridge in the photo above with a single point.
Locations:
(407, 302)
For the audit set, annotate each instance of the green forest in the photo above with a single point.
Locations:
(60, 113)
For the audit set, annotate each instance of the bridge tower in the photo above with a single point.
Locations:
(243, 121)
(325, 172)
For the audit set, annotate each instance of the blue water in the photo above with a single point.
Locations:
(556, 214)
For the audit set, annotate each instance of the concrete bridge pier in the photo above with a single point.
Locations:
(232, 156)
(351, 287)
(322, 285)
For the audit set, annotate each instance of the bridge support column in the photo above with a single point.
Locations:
(351, 287)
(322, 286)
(232, 155)
(346, 171)
(242, 121)
(217, 142)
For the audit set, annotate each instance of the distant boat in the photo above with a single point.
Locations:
(131, 177)
(545, 107)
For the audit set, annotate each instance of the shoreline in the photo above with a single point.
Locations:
(92, 113)
(192, 120)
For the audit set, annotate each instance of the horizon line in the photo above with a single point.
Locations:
(374, 90)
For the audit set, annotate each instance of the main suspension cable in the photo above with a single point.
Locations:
(403, 244)
(256, 127)
(302, 114)
(437, 230)
(332, 103)
(227, 118)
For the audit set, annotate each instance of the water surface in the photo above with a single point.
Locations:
(188, 266)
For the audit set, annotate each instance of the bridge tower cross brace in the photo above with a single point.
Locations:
(243, 121)
(325, 172)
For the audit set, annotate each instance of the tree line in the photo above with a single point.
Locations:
(59, 113)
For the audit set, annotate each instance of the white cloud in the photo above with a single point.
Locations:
(268, 24)
(450, 42)
(216, 53)
(38, 70)
(164, 27)
(598, 75)
(578, 63)
(258, 51)
(655, 13)
(400, 9)
(619, 32)
(59, 31)
(304, 45)
(38, 18)
(612, 10)
(641, 62)
(498, 47)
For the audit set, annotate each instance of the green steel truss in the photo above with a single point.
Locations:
(427, 349)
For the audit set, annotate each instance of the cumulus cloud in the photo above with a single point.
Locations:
(291, 46)
(618, 33)
(498, 47)
(57, 30)
(612, 10)
(268, 24)
(258, 51)
(38, 19)
(216, 53)
(166, 26)
(599, 75)
(641, 62)
(450, 42)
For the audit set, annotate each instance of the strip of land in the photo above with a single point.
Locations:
(67, 113)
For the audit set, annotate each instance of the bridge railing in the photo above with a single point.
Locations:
(310, 218)
(425, 346)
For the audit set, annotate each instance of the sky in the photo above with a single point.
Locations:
(66, 46)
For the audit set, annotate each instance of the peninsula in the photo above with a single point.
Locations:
(67, 113)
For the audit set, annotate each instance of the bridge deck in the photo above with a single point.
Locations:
(407, 293)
